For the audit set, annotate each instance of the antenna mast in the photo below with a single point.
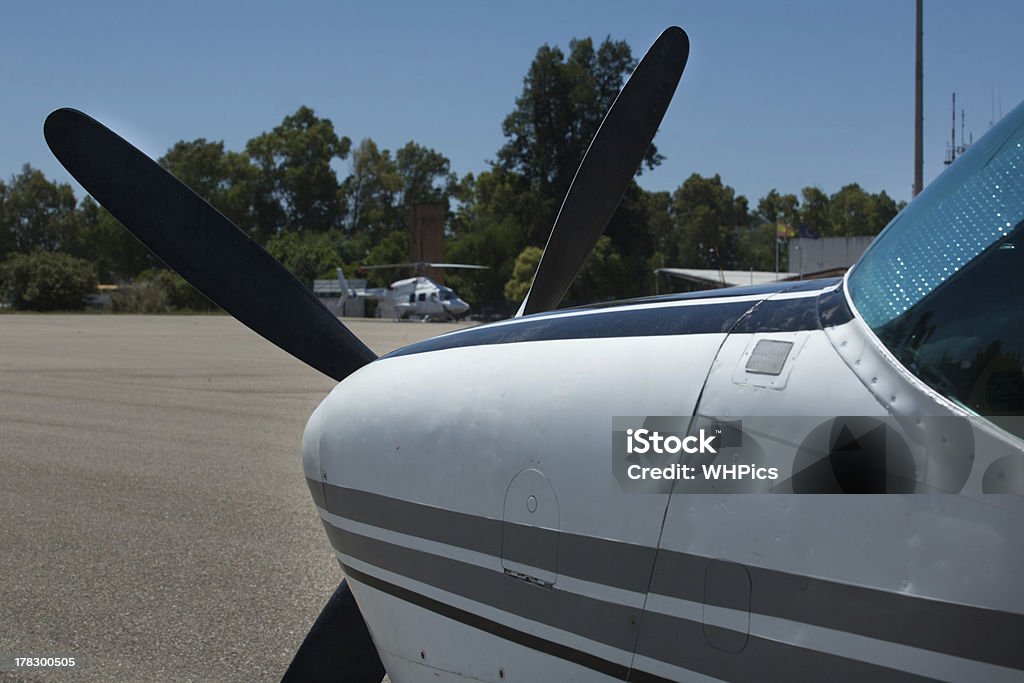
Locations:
(919, 107)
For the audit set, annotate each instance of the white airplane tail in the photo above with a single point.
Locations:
(344, 284)
(345, 293)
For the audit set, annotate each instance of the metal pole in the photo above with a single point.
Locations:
(953, 136)
(776, 258)
(919, 106)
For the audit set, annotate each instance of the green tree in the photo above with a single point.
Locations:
(426, 175)
(297, 189)
(372, 192)
(775, 207)
(394, 248)
(886, 209)
(486, 229)
(757, 248)
(814, 211)
(227, 180)
(660, 228)
(851, 212)
(381, 190)
(854, 212)
(142, 296)
(563, 102)
(6, 238)
(759, 244)
(118, 256)
(707, 217)
(36, 213)
(518, 286)
(659, 221)
(639, 229)
(47, 281)
(513, 205)
(309, 255)
(602, 277)
(178, 294)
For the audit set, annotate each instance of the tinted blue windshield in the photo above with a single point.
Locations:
(942, 285)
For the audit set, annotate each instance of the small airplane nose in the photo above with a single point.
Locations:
(311, 449)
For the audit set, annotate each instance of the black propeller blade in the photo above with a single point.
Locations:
(609, 164)
(338, 646)
(207, 249)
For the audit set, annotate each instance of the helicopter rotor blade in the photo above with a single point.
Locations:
(607, 168)
(199, 242)
(424, 264)
(467, 266)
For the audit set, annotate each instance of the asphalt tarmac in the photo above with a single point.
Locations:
(154, 520)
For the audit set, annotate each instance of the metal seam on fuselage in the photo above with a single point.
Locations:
(970, 632)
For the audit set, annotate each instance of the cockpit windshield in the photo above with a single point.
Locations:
(445, 293)
(942, 286)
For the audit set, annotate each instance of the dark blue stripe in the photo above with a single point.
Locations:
(764, 290)
(781, 315)
(713, 316)
(833, 310)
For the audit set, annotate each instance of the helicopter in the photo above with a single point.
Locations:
(417, 297)
(864, 517)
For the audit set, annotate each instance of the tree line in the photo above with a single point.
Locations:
(317, 201)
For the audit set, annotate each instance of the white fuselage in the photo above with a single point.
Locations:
(486, 537)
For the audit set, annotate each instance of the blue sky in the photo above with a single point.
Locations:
(775, 94)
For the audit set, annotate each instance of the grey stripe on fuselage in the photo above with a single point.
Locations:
(619, 565)
(671, 639)
(611, 563)
(606, 622)
(491, 626)
(962, 630)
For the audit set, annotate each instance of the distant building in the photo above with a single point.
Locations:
(811, 256)
(710, 278)
(809, 259)
(340, 303)
(426, 238)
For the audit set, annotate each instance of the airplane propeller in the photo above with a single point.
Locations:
(199, 242)
(609, 164)
(236, 273)
(320, 658)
